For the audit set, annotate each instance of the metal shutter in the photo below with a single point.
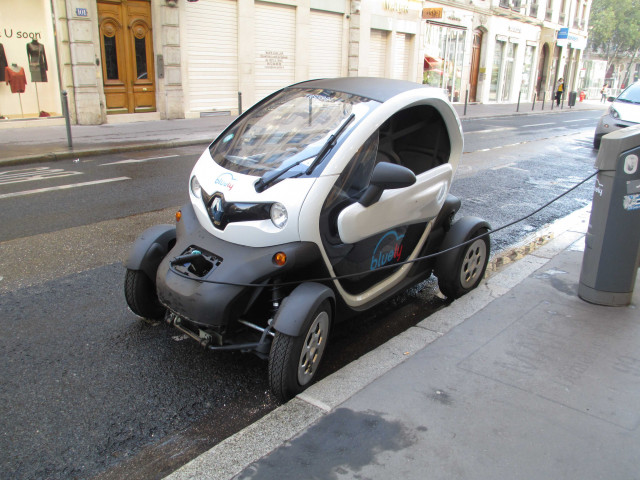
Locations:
(325, 45)
(378, 53)
(275, 47)
(401, 57)
(212, 55)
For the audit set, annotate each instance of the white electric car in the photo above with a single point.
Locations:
(318, 202)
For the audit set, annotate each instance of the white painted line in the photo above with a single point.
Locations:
(62, 187)
(33, 174)
(138, 160)
(491, 130)
(538, 124)
(579, 120)
(503, 166)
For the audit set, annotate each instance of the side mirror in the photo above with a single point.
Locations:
(386, 176)
(611, 99)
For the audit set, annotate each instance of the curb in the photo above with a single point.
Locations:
(57, 156)
(237, 452)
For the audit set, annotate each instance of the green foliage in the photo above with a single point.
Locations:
(615, 28)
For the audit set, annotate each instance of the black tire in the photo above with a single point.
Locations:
(294, 361)
(462, 269)
(140, 293)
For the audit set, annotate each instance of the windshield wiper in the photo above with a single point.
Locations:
(330, 144)
(271, 176)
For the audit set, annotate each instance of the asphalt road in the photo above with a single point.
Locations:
(89, 390)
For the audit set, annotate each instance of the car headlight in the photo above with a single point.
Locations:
(196, 189)
(613, 112)
(279, 215)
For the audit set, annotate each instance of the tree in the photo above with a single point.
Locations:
(614, 31)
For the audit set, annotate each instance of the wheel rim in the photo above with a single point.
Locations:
(312, 348)
(473, 263)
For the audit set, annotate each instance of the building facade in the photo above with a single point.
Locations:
(120, 60)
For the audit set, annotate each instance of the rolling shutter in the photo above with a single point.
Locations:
(378, 53)
(275, 47)
(325, 45)
(212, 55)
(401, 57)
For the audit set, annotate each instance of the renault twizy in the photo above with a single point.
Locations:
(316, 203)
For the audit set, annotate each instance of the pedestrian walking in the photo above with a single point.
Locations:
(559, 91)
(604, 92)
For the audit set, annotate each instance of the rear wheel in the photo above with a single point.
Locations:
(140, 293)
(294, 361)
(461, 270)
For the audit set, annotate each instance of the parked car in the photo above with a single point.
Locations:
(313, 205)
(623, 112)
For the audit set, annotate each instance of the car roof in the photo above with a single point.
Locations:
(379, 89)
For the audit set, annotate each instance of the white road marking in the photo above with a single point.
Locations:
(33, 174)
(504, 129)
(62, 187)
(579, 120)
(510, 166)
(137, 160)
(538, 124)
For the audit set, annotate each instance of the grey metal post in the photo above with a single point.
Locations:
(534, 101)
(518, 106)
(67, 119)
(544, 95)
(612, 244)
(239, 103)
(466, 100)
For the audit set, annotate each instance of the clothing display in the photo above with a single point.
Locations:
(37, 61)
(15, 76)
(3, 63)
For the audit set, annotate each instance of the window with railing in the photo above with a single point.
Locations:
(516, 5)
(561, 19)
(533, 10)
(547, 15)
(504, 3)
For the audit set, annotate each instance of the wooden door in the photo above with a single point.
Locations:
(475, 65)
(127, 55)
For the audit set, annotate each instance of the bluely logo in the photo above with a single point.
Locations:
(225, 180)
(388, 249)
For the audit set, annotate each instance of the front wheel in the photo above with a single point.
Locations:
(294, 361)
(461, 270)
(140, 293)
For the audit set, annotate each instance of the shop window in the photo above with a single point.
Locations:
(111, 58)
(141, 58)
(496, 70)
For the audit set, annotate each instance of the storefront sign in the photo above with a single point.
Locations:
(274, 59)
(399, 6)
(432, 13)
(563, 33)
(574, 41)
(11, 33)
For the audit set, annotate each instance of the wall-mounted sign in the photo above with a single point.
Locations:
(81, 12)
(399, 6)
(432, 13)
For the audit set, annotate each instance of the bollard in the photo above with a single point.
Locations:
(67, 119)
(544, 94)
(612, 245)
(534, 101)
(518, 106)
(239, 103)
(466, 100)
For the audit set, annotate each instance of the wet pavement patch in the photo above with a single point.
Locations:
(356, 439)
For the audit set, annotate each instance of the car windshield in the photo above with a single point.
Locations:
(630, 95)
(291, 127)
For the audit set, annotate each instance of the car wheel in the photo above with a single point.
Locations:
(294, 361)
(140, 293)
(461, 270)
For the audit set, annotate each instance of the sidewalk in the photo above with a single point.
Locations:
(44, 142)
(518, 379)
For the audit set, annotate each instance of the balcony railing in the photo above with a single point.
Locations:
(533, 10)
(547, 15)
(561, 19)
(504, 3)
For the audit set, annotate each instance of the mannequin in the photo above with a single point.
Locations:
(3, 62)
(37, 61)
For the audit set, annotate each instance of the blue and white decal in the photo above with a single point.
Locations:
(226, 180)
(388, 249)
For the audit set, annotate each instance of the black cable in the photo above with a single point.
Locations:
(406, 262)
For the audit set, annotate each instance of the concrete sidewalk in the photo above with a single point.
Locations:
(40, 141)
(518, 379)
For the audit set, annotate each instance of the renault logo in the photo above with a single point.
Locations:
(216, 210)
